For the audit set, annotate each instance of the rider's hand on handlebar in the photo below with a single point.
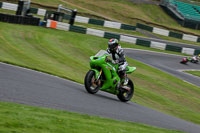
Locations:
(115, 61)
(108, 60)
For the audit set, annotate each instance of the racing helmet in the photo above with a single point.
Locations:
(112, 44)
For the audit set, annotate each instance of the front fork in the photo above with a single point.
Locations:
(97, 76)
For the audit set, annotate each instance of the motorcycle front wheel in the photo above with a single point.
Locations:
(126, 95)
(90, 82)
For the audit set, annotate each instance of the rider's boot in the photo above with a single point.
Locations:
(124, 78)
(118, 85)
(125, 81)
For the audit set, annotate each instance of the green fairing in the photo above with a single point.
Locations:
(189, 58)
(109, 70)
(130, 69)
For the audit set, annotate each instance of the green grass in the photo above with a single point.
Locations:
(176, 40)
(119, 31)
(7, 11)
(135, 33)
(16, 118)
(195, 73)
(66, 54)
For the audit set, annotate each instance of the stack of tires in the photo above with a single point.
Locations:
(25, 20)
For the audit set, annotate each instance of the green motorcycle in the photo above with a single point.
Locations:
(103, 76)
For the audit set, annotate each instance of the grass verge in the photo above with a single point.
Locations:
(195, 73)
(136, 33)
(66, 54)
(20, 118)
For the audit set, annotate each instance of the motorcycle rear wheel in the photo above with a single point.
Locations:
(90, 84)
(182, 62)
(125, 95)
(194, 61)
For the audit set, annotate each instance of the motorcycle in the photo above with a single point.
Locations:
(194, 59)
(185, 60)
(103, 76)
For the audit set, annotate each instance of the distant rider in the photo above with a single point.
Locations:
(118, 58)
(196, 57)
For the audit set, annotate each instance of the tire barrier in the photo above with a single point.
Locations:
(13, 7)
(104, 23)
(168, 33)
(19, 19)
(8, 6)
(110, 24)
(123, 38)
(43, 12)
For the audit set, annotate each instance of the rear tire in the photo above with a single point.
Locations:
(183, 62)
(125, 95)
(89, 82)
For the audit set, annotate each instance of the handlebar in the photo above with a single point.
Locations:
(108, 60)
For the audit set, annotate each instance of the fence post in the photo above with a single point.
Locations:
(20, 7)
(72, 19)
(23, 7)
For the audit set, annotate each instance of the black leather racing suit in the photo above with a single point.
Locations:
(119, 57)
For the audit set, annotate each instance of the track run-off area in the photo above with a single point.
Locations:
(24, 86)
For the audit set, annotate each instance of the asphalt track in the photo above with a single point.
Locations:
(166, 62)
(29, 87)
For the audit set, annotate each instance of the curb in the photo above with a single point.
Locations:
(120, 37)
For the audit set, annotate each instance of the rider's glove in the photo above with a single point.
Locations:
(115, 61)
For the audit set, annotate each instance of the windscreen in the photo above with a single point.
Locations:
(101, 53)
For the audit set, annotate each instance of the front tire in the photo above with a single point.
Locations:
(125, 95)
(90, 84)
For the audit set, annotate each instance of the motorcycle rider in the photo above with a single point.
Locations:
(195, 58)
(198, 57)
(118, 58)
